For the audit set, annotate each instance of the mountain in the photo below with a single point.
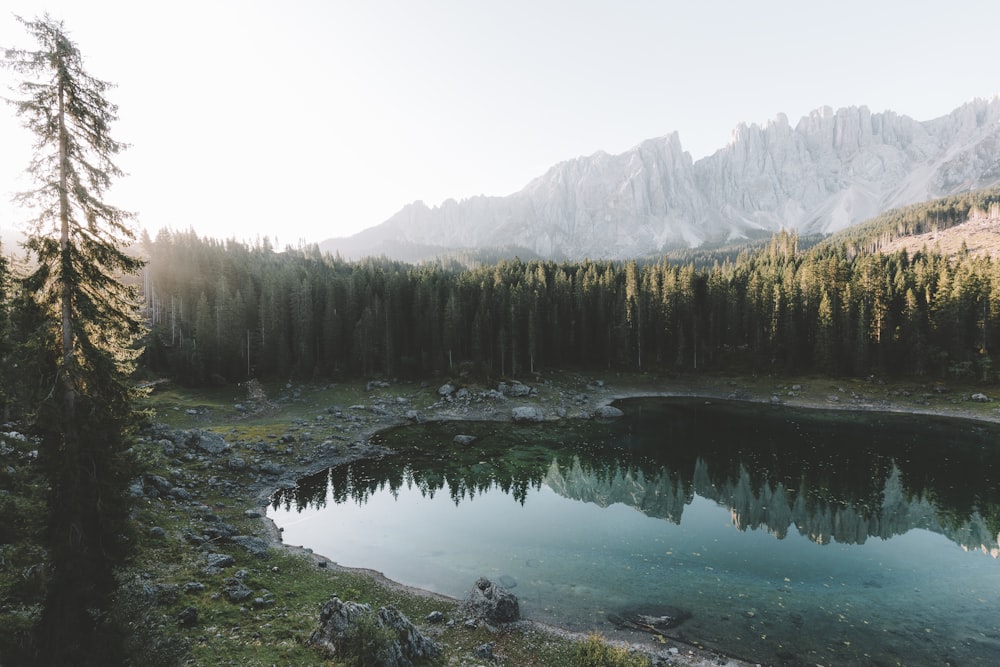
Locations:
(831, 170)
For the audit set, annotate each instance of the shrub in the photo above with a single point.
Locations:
(595, 652)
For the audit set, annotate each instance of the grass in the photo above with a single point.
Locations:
(273, 631)
(595, 652)
(292, 585)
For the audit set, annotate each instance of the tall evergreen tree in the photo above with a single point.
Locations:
(78, 242)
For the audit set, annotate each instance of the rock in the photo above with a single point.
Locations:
(235, 590)
(492, 603)
(194, 587)
(206, 441)
(252, 514)
(157, 532)
(527, 413)
(464, 439)
(163, 595)
(416, 416)
(446, 390)
(271, 468)
(255, 545)
(608, 412)
(179, 493)
(236, 463)
(435, 617)
(188, 617)
(158, 485)
(216, 563)
(514, 390)
(485, 651)
(650, 618)
(341, 623)
(980, 398)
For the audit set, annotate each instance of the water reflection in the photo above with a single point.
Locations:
(830, 476)
(789, 536)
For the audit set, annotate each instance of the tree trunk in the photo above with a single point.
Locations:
(65, 285)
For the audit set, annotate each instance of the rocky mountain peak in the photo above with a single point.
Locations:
(834, 168)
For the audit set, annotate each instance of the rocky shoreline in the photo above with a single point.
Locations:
(339, 435)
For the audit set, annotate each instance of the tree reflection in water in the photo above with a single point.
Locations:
(834, 476)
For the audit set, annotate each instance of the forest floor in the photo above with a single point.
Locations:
(206, 503)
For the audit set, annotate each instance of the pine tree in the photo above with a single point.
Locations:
(6, 356)
(77, 243)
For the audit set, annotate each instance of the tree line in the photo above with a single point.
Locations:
(227, 311)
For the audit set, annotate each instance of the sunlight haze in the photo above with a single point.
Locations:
(307, 120)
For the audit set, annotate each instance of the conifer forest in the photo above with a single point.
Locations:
(227, 311)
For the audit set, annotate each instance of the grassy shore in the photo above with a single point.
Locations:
(185, 610)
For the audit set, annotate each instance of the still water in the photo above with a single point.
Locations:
(780, 535)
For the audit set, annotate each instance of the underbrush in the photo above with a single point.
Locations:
(595, 652)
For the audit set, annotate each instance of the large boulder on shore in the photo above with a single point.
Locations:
(206, 441)
(492, 603)
(527, 413)
(342, 626)
(608, 412)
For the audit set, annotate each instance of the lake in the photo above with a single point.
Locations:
(781, 535)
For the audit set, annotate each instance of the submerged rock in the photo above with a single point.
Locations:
(463, 439)
(654, 619)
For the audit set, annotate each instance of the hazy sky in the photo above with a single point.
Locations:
(307, 119)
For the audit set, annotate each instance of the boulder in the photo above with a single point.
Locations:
(416, 416)
(271, 468)
(206, 441)
(256, 546)
(343, 627)
(157, 485)
(514, 390)
(608, 412)
(980, 398)
(466, 440)
(216, 562)
(492, 603)
(446, 390)
(235, 590)
(527, 413)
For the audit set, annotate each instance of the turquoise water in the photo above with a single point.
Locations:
(790, 537)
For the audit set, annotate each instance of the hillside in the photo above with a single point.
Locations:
(980, 235)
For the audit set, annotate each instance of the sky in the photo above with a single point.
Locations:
(302, 120)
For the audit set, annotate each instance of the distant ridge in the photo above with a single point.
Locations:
(831, 170)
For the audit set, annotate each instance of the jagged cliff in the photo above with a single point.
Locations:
(831, 170)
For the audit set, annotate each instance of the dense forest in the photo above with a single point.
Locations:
(227, 311)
